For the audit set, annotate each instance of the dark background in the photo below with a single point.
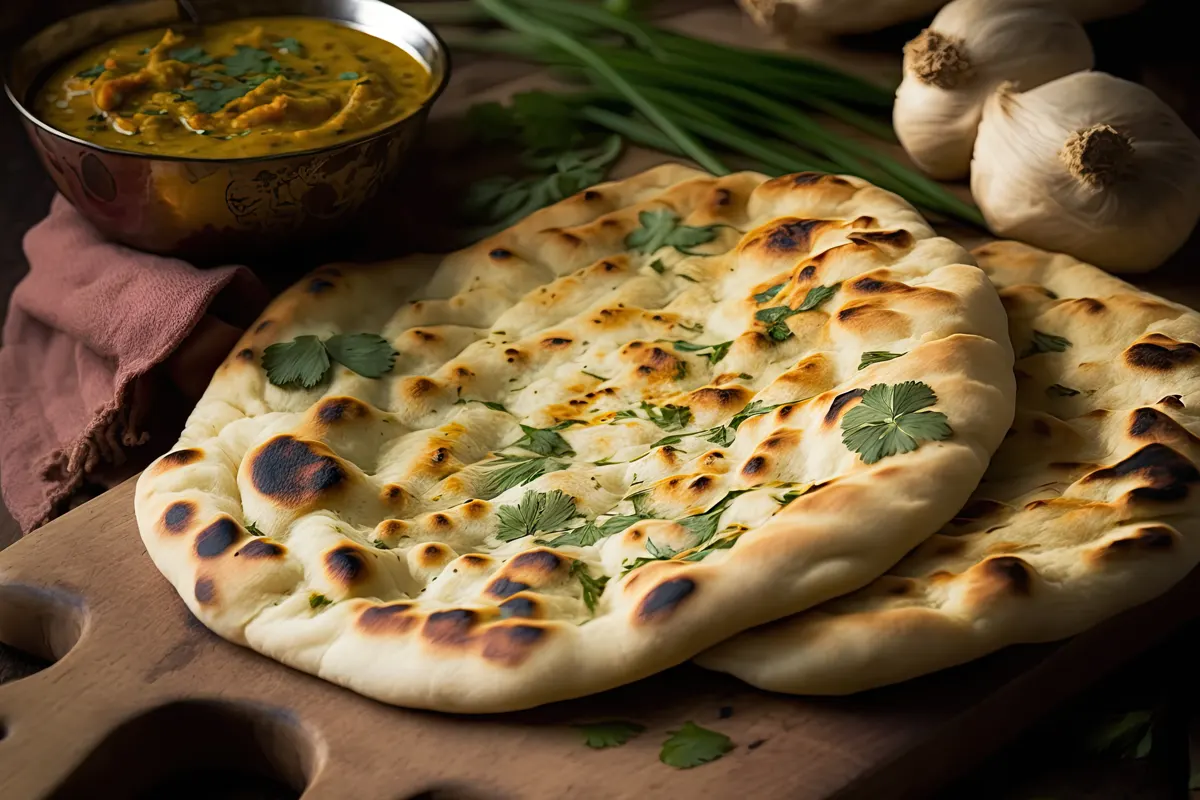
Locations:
(1155, 46)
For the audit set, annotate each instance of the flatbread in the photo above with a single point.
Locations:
(1091, 505)
(379, 567)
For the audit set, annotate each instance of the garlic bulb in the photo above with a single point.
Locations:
(1088, 10)
(970, 48)
(835, 16)
(1090, 165)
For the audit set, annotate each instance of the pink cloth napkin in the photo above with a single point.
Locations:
(85, 332)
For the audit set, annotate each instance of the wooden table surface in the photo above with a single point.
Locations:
(1149, 47)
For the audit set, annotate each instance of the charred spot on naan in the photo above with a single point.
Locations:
(389, 619)
(1150, 538)
(870, 317)
(502, 588)
(261, 548)
(893, 242)
(179, 516)
(346, 565)
(218, 537)
(178, 458)
(713, 401)
(811, 376)
(1150, 423)
(876, 283)
(1159, 353)
(524, 604)
(654, 364)
(205, 591)
(433, 554)
(1166, 473)
(450, 628)
(533, 568)
(511, 644)
(294, 472)
(661, 602)
(339, 410)
(1011, 573)
(838, 405)
(787, 236)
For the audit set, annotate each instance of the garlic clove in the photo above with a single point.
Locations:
(970, 48)
(1090, 165)
(799, 17)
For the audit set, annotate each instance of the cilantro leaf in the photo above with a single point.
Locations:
(462, 401)
(888, 421)
(91, 72)
(641, 503)
(661, 228)
(593, 375)
(720, 544)
(613, 733)
(1047, 343)
(659, 552)
(769, 294)
(544, 442)
(790, 495)
(755, 408)
(1130, 735)
(1058, 390)
(536, 511)
(289, 45)
(303, 361)
(704, 526)
(817, 296)
(316, 600)
(592, 587)
(590, 533)
(658, 266)
(380, 545)
(248, 60)
(508, 471)
(252, 529)
(668, 417)
(191, 55)
(715, 351)
(212, 100)
(876, 357)
(368, 354)
(349, 76)
(692, 745)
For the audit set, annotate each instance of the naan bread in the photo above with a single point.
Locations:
(379, 566)
(1089, 507)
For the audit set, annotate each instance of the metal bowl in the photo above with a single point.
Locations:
(211, 209)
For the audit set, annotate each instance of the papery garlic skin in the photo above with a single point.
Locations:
(970, 48)
(834, 16)
(1089, 165)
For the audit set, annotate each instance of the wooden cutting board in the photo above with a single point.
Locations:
(142, 701)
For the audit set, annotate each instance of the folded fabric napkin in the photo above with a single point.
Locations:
(101, 342)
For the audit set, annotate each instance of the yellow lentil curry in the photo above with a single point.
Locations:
(250, 87)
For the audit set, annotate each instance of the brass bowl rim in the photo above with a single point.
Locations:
(442, 50)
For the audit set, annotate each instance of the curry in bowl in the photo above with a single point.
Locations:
(245, 88)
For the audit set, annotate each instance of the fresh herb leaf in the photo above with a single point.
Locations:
(712, 547)
(755, 408)
(692, 745)
(1058, 390)
(566, 423)
(210, 101)
(769, 294)
(289, 45)
(191, 55)
(97, 118)
(641, 504)
(590, 533)
(790, 495)
(1047, 343)
(715, 351)
(379, 545)
(817, 296)
(660, 552)
(876, 357)
(613, 733)
(593, 375)
(626, 413)
(888, 420)
(536, 511)
(368, 354)
(250, 61)
(302, 361)
(704, 526)
(508, 471)
(544, 442)
(91, 72)
(349, 76)
(662, 228)
(253, 530)
(658, 266)
(316, 600)
(593, 588)
(668, 417)
(462, 401)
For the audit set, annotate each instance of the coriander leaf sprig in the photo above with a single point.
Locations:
(305, 361)
(693, 745)
(888, 420)
(613, 733)
(536, 511)
(776, 316)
